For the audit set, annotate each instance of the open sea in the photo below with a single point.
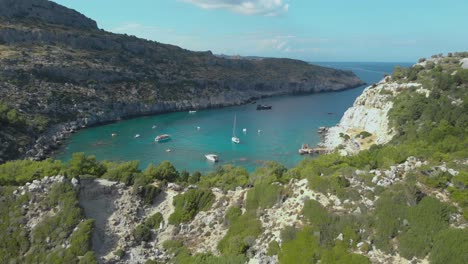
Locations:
(292, 121)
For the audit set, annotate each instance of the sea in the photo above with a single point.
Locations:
(270, 135)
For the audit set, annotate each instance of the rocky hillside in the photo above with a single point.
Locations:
(405, 201)
(57, 67)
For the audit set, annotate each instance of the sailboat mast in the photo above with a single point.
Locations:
(234, 127)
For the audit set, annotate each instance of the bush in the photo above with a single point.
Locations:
(88, 258)
(164, 171)
(263, 195)
(364, 134)
(148, 193)
(273, 248)
(21, 171)
(187, 205)
(154, 221)
(226, 178)
(450, 246)
(142, 233)
(80, 164)
(80, 241)
(120, 253)
(235, 241)
(232, 214)
(425, 221)
(125, 172)
(303, 249)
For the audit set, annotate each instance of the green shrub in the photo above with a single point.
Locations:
(273, 248)
(187, 205)
(80, 241)
(120, 253)
(164, 171)
(173, 246)
(232, 214)
(88, 258)
(80, 164)
(364, 134)
(125, 172)
(226, 178)
(142, 233)
(425, 221)
(450, 246)
(303, 249)
(154, 221)
(288, 233)
(263, 195)
(21, 171)
(235, 241)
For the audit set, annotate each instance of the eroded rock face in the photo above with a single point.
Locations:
(46, 11)
(369, 113)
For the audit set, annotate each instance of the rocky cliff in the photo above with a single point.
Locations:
(57, 68)
(366, 122)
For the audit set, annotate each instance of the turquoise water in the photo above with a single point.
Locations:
(292, 121)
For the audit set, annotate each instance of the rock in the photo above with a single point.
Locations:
(74, 182)
(174, 187)
(340, 237)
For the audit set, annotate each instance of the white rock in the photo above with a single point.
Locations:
(340, 237)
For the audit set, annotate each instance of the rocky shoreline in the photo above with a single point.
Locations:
(50, 141)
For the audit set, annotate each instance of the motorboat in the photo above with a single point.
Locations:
(212, 157)
(263, 107)
(162, 138)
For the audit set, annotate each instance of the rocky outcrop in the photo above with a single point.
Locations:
(369, 113)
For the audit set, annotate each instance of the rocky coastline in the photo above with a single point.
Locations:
(61, 73)
(51, 140)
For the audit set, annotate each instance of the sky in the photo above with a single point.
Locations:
(311, 30)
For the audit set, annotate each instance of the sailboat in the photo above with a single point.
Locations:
(234, 138)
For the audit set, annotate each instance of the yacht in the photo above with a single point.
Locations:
(162, 138)
(212, 157)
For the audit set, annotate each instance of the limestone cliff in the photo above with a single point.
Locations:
(369, 113)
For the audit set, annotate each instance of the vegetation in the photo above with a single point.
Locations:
(187, 205)
(407, 219)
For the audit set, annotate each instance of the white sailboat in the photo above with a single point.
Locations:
(234, 138)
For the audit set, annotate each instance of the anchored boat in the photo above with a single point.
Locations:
(162, 138)
(212, 157)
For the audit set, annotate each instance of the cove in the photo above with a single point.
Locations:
(293, 120)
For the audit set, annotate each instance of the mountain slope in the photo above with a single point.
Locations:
(58, 67)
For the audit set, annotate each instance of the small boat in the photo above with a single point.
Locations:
(305, 149)
(263, 107)
(162, 138)
(212, 157)
(168, 150)
(234, 138)
(153, 127)
(192, 111)
(137, 135)
(114, 134)
(198, 128)
(244, 130)
(259, 131)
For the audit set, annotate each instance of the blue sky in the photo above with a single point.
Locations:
(312, 30)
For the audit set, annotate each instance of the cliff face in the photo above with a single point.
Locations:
(369, 113)
(57, 67)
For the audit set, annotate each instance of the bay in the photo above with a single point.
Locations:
(271, 134)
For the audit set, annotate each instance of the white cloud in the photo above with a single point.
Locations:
(246, 7)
